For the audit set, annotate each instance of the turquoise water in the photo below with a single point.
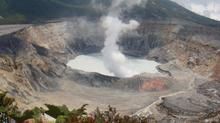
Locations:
(94, 63)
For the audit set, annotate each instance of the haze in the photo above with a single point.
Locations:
(208, 8)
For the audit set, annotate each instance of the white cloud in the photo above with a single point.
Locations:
(208, 8)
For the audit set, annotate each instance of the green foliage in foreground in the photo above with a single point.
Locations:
(7, 107)
(9, 110)
(28, 114)
(63, 115)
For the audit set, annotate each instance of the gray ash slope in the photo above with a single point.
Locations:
(33, 65)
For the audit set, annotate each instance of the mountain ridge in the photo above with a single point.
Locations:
(32, 11)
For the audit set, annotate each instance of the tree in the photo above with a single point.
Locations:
(8, 107)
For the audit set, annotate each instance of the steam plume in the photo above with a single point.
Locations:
(114, 60)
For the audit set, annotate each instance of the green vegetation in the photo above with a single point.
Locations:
(34, 113)
(63, 115)
(7, 107)
(9, 110)
(29, 11)
(35, 11)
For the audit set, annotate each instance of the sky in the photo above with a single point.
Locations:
(208, 8)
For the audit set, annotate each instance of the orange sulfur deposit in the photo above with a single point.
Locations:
(153, 85)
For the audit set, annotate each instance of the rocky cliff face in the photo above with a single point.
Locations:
(27, 67)
(33, 68)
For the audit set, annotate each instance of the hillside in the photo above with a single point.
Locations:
(168, 10)
(29, 11)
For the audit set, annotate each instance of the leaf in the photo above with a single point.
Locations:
(29, 114)
(8, 101)
(56, 111)
(2, 109)
(61, 119)
(2, 96)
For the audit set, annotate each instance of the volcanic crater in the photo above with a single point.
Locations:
(34, 58)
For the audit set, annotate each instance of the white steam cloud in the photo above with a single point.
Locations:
(114, 60)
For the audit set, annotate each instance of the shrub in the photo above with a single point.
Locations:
(9, 109)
